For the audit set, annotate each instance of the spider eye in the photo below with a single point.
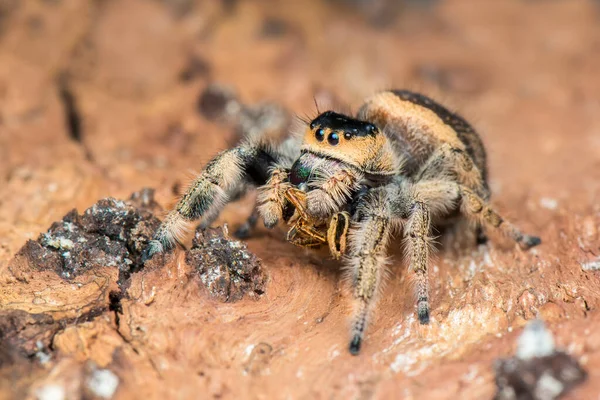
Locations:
(372, 129)
(320, 134)
(347, 135)
(333, 139)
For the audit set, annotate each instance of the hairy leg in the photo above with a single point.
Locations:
(367, 261)
(245, 230)
(480, 211)
(447, 159)
(419, 242)
(474, 192)
(230, 172)
(329, 193)
(423, 201)
(271, 198)
(380, 210)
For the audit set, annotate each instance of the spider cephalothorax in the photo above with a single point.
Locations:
(403, 161)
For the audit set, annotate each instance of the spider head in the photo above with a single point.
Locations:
(337, 136)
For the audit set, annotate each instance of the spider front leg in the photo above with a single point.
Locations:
(380, 210)
(245, 230)
(227, 174)
(271, 200)
(330, 192)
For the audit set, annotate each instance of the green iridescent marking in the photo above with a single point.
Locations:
(304, 172)
(299, 173)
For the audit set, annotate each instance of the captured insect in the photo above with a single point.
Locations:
(404, 164)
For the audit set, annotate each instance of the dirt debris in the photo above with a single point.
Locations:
(224, 266)
(538, 371)
(111, 233)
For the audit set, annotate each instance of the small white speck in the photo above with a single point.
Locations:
(472, 268)
(232, 107)
(591, 266)
(42, 356)
(548, 203)
(535, 341)
(50, 392)
(471, 374)
(487, 259)
(548, 387)
(61, 243)
(103, 383)
(402, 362)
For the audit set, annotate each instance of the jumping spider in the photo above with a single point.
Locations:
(403, 162)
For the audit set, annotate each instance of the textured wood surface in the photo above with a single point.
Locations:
(130, 74)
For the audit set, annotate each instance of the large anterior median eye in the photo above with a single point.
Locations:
(320, 135)
(333, 138)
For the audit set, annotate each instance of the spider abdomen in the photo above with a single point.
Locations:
(417, 126)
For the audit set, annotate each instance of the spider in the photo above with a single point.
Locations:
(403, 163)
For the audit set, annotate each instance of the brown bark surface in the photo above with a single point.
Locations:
(101, 99)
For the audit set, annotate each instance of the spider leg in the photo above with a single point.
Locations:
(271, 200)
(448, 159)
(367, 260)
(426, 200)
(245, 230)
(418, 237)
(474, 192)
(228, 174)
(420, 203)
(479, 210)
(332, 191)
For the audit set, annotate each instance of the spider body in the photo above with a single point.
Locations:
(403, 161)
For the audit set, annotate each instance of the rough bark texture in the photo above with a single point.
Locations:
(99, 99)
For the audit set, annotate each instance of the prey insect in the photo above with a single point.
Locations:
(403, 163)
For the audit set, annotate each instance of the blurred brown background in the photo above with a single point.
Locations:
(100, 98)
